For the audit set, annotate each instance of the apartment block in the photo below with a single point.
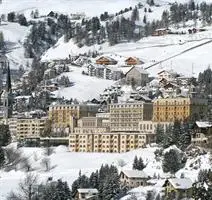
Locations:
(171, 109)
(29, 127)
(150, 126)
(106, 142)
(125, 117)
(60, 115)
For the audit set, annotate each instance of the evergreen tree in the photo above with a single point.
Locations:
(2, 43)
(141, 165)
(2, 157)
(144, 19)
(159, 132)
(5, 136)
(135, 163)
(172, 161)
(135, 14)
(11, 17)
(22, 20)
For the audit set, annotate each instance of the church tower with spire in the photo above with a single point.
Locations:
(6, 93)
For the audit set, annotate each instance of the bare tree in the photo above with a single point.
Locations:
(46, 163)
(26, 188)
(13, 158)
(48, 151)
(121, 163)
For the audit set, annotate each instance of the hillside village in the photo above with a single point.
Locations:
(112, 117)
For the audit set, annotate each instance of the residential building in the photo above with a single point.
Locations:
(61, 115)
(150, 126)
(178, 188)
(171, 109)
(133, 178)
(201, 134)
(29, 127)
(105, 60)
(86, 193)
(138, 76)
(133, 61)
(106, 142)
(160, 32)
(167, 75)
(126, 117)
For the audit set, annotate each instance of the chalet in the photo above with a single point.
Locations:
(171, 85)
(137, 75)
(178, 188)
(51, 88)
(167, 74)
(133, 178)
(133, 61)
(86, 193)
(105, 60)
(201, 134)
(160, 32)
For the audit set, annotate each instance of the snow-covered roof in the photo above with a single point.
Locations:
(88, 190)
(135, 174)
(181, 183)
(141, 70)
(203, 124)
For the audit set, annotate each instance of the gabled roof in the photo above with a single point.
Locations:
(203, 124)
(134, 174)
(139, 69)
(106, 57)
(180, 183)
(88, 190)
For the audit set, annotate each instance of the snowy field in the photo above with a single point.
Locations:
(66, 165)
(84, 87)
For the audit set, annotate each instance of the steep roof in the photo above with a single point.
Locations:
(135, 174)
(203, 124)
(139, 69)
(181, 183)
(88, 190)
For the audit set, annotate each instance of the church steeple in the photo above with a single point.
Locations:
(8, 79)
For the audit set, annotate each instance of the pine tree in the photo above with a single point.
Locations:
(5, 136)
(159, 132)
(2, 157)
(135, 14)
(144, 19)
(141, 165)
(172, 161)
(135, 163)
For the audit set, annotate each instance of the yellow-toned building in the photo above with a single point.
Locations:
(171, 109)
(26, 128)
(125, 117)
(106, 142)
(61, 115)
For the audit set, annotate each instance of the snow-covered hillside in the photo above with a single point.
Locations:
(84, 87)
(14, 35)
(89, 7)
(66, 165)
(185, 53)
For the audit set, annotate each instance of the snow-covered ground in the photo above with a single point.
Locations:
(89, 7)
(14, 36)
(66, 165)
(84, 87)
(188, 54)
